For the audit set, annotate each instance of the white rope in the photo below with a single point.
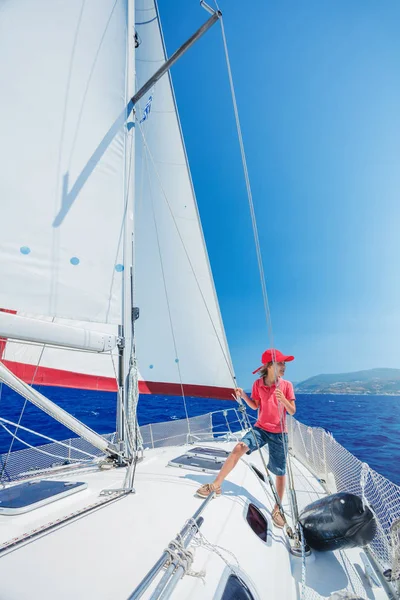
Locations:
(124, 416)
(182, 557)
(199, 540)
(133, 400)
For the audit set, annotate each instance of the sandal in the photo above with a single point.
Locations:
(207, 488)
(277, 518)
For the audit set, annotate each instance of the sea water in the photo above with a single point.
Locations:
(367, 426)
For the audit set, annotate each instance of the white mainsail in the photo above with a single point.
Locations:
(62, 182)
(64, 187)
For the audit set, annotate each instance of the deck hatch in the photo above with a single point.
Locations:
(236, 589)
(206, 464)
(211, 453)
(257, 522)
(27, 496)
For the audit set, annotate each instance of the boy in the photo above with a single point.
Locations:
(273, 396)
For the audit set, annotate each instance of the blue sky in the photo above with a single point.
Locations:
(318, 90)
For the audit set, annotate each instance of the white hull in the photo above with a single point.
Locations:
(105, 553)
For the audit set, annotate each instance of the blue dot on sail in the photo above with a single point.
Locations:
(119, 268)
(74, 261)
(25, 250)
(151, 366)
(177, 360)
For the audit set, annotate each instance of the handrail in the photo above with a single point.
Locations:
(151, 575)
(175, 570)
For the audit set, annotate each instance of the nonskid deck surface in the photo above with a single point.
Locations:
(106, 553)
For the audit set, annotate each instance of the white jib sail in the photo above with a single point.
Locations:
(179, 335)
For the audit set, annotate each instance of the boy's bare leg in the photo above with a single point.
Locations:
(280, 485)
(239, 450)
(280, 488)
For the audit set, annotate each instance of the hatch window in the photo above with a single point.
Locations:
(205, 459)
(257, 522)
(23, 497)
(215, 453)
(258, 472)
(236, 589)
(196, 463)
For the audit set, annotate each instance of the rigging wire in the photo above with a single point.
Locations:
(258, 249)
(18, 425)
(126, 261)
(46, 437)
(14, 436)
(256, 238)
(249, 192)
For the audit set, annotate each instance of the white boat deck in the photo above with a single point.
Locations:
(118, 543)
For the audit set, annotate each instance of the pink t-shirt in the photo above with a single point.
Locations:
(269, 408)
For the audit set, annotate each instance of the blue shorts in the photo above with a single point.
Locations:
(277, 454)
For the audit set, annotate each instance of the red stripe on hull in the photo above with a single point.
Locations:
(68, 379)
(175, 389)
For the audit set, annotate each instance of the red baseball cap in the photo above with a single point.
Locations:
(272, 355)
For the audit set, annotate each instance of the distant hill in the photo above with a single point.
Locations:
(372, 381)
